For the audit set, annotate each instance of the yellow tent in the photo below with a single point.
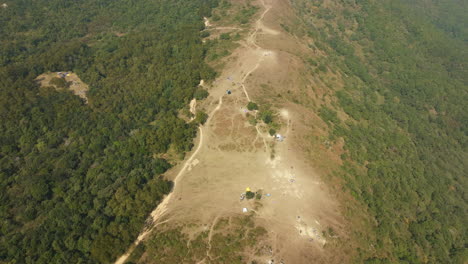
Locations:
(247, 189)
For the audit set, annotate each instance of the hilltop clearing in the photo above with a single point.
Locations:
(64, 80)
(236, 151)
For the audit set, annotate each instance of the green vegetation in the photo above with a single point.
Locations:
(59, 82)
(200, 94)
(231, 239)
(329, 115)
(229, 244)
(249, 195)
(220, 48)
(201, 117)
(225, 36)
(205, 34)
(406, 136)
(171, 247)
(252, 120)
(252, 106)
(272, 132)
(266, 116)
(232, 13)
(258, 196)
(227, 14)
(246, 13)
(78, 181)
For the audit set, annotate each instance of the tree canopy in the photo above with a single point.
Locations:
(404, 68)
(79, 180)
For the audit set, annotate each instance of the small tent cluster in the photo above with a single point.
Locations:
(279, 137)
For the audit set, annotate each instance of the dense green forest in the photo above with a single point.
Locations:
(405, 93)
(78, 180)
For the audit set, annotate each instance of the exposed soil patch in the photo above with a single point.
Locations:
(296, 208)
(64, 80)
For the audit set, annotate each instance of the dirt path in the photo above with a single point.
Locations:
(230, 157)
(193, 108)
(251, 39)
(208, 26)
(162, 207)
(207, 22)
(226, 28)
(210, 236)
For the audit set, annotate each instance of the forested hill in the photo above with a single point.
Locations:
(402, 114)
(77, 180)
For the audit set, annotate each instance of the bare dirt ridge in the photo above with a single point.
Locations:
(232, 154)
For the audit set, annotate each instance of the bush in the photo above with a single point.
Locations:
(205, 34)
(252, 106)
(329, 115)
(272, 131)
(322, 68)
(225, 36)
(200, 94)
(253, 121)
(249, 195)
(201, 117)
(267, 117)
(312, 62)
(59, 82)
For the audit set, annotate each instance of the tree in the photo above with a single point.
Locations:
(249, 195)
(272, 132)
(59, 82)
(266, 116)
(200, 117)
(200, 94)
(252, 106)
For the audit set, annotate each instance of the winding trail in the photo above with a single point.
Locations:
(245, 77)
(252, 38)
(210, 235)
(162, 207)
(252, 41)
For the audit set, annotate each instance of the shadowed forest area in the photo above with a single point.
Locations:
(79, 180)
(403, 119)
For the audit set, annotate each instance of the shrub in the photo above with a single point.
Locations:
(59, 82)
(322, 68)
(272, 131)
(200, 94)
(267, 117)
(253, 121)
(312, 62)
(201, 117)
(249, 195)
(205, 34)
(252, 106)
(225, 36)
